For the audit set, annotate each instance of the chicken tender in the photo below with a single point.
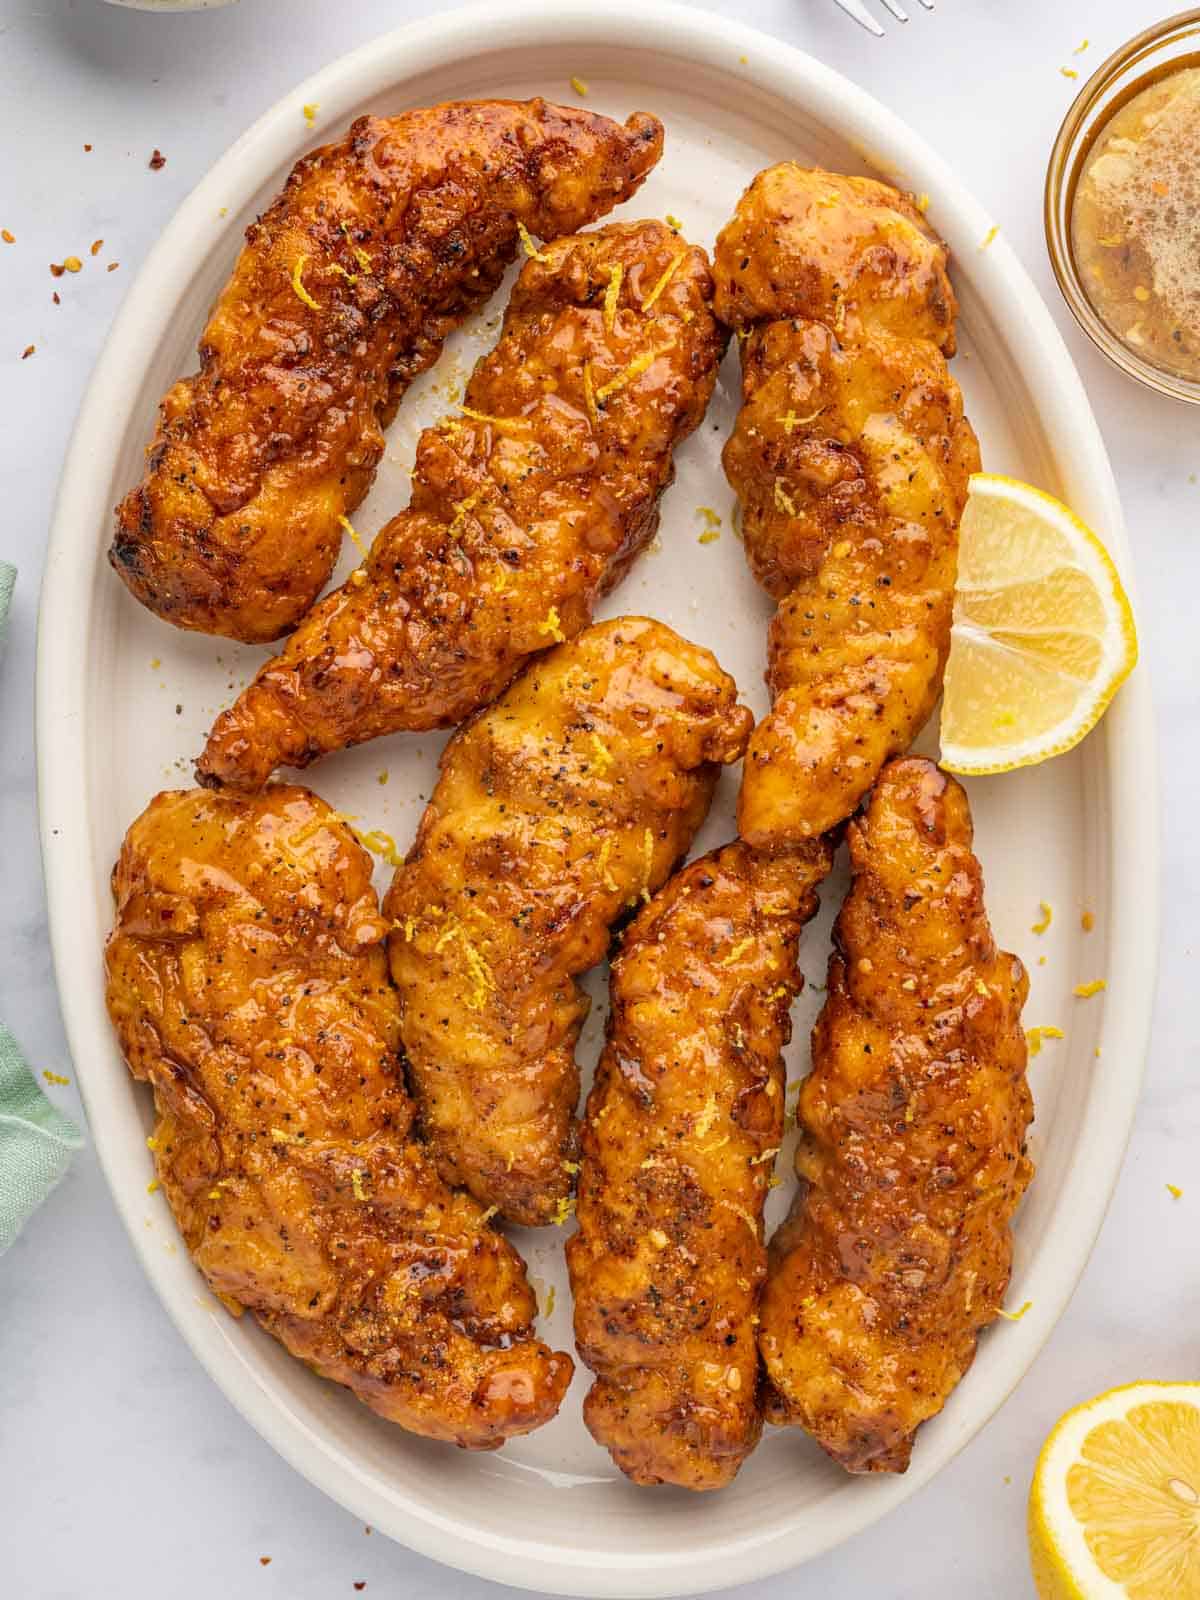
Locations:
(248, 985)
(557, 810)
(526, 506)
(377, 248)
(851, 457)
(682, 1128)
(912, 1159)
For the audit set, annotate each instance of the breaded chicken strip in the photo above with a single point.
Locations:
(851, 456)
(526, 506)
(679, 1140)
(377, 248)
(557, 810)
(247, 983)
(912, 1161)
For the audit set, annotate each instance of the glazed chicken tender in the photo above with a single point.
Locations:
(248, 985)
(558, 810)
(682, 1127)
(528, 503)
(912, 1158)
(377, 248)
(851, 457)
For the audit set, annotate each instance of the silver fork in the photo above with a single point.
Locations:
(855, 9)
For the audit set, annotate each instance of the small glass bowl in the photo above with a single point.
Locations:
(1116, 81)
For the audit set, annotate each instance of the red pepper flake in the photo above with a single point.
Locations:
(28, 351)
(9, 238)
(55, 298)
(96, 246)
(157, 161)
(112, 266)
(361, 1585)
(87, 149)
(57, 269)
(264, 1561)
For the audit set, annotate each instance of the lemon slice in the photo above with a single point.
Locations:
(1114, 1511)
(1043, 632)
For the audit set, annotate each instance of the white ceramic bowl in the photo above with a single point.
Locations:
(550, 1512)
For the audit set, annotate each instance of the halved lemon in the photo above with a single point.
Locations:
(1043, 631)
(1114, 1510)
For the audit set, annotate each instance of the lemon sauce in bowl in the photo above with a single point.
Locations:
(1135, 220)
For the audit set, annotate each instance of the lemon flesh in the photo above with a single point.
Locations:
(1043, 631)
(1114, 1511)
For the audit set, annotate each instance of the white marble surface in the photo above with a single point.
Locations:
(123, 1471)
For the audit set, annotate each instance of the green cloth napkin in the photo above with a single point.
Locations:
(36, 1141)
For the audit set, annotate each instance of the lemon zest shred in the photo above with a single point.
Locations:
(1068, 72)
(487, 1216)
(1046, 918)
(741, 1211)
(606, 877)
(737, 952)
(783, 500)
(989, 235)
(676, 262)
(634, 370)
(923, 202)
(589, 395)
(602, 754)
(708, 1115)
(496, 422)
(527, 244)
(298, 283)
(778, 992)
(462, 508)
(1175, 1191)
(310, 111)
(549, 1309)
(1014, 1316)
(356, 1180)
(348, 527)
(579, 86)
(790, 420)
(282, 1136)
(767, 1155)
(1034, 1037)
(153, 1186)
(709, 536)
(151, 1142)
(1085, 991)
(673, 222)
(612, 295)
(54, 1077)
(552, 626)
(380, 844)
(647, 862)
(564, 1209)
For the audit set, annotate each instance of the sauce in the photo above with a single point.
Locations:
(1135, 221)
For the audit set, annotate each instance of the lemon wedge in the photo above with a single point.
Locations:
(1114, 1510)
(1043, 631)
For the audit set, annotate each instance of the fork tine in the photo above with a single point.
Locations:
(861, 15)
(928, 4)
(896, 9)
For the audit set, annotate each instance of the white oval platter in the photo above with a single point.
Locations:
(124, 702)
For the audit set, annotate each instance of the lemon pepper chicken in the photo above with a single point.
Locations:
(248, 985)
(851, 457)
(682, 1126)
(526, 506)
(912, 1158)
(557, 810)
(378, 246)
